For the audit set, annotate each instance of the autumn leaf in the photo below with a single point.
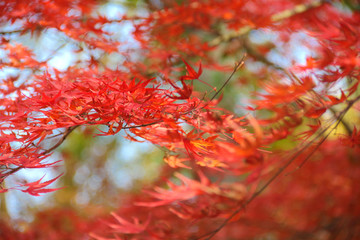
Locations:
(192, 74)
(37, 187)
(124, 226)
(175, 161)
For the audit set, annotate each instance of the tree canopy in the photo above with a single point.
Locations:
(242, 118)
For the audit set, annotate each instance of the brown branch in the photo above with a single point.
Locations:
(237, 67)
(143, 125)
(261, 58)
(301, 8)
(12, 171)
(345, 124)
(11, 32)
(66, 134)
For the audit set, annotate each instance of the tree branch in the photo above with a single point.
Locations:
(66, 134)
(11, 32)
(301, 8)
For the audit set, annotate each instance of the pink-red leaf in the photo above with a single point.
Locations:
(37, 187)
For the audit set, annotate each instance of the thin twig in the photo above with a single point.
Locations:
(55, 51)
(237, 66)
(143, 125)
(66, 134)
(345, 124)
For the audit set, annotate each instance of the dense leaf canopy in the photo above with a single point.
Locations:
(243, 117)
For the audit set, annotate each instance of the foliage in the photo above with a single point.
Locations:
(281, 162)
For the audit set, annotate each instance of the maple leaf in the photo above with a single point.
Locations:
(211, 163)
(334, 100)
(127, 227)
(184, 93)
(353, 140)
(35, 188)
(192, 74)
(315, 112)
(175, 161)
(187, 190)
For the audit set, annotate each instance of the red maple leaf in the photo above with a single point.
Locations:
(35, 188)
(192, 74)
(127, 227)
